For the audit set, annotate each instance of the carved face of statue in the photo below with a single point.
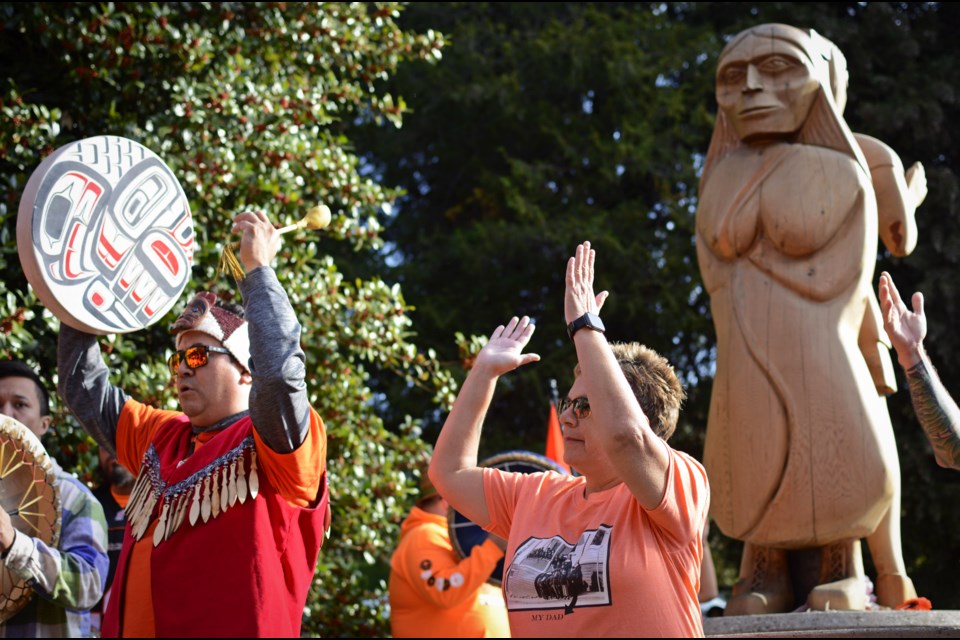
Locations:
(766, 86)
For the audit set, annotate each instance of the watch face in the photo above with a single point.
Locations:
(593, 321)
(586, 320)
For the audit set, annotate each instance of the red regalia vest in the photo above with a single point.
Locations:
(231, 557)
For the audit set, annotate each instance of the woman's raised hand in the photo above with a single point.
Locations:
(504, 351)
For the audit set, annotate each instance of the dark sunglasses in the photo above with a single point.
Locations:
(195, 357)
(581, 406)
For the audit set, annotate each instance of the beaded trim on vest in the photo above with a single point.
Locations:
(203, 495)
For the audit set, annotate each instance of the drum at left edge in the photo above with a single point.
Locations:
(29, 495)
(105, 236)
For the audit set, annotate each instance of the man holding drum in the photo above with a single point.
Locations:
(69, 579)
(229, 511)
(616, 551)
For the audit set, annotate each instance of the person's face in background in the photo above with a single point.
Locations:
(20, 400)
(114, 472)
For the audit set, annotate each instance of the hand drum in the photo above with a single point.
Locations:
(105, 235)
(29, 494)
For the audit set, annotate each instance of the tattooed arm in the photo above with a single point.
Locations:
(936, 410)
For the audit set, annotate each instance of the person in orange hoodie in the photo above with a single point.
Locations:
(435, 594)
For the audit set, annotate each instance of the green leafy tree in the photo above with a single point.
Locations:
(556, 123)
(569, 121)
(251, 105)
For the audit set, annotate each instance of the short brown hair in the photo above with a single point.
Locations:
(654, 383)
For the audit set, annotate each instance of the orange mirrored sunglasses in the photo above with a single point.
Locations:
(195, 357)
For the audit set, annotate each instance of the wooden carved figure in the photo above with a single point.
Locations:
(799, 449)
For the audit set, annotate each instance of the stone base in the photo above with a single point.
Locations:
(838, 624)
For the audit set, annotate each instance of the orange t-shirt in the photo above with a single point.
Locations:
(601, 565)
(295, 475)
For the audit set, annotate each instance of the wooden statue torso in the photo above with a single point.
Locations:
(799, 444)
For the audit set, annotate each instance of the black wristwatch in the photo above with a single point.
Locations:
(588, 320)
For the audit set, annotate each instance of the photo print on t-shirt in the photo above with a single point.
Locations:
(551, 573)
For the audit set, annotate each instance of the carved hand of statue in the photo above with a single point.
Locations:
(917, 183)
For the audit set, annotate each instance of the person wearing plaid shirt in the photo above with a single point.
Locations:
(67, 580)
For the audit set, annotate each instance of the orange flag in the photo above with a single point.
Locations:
(555, 439)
